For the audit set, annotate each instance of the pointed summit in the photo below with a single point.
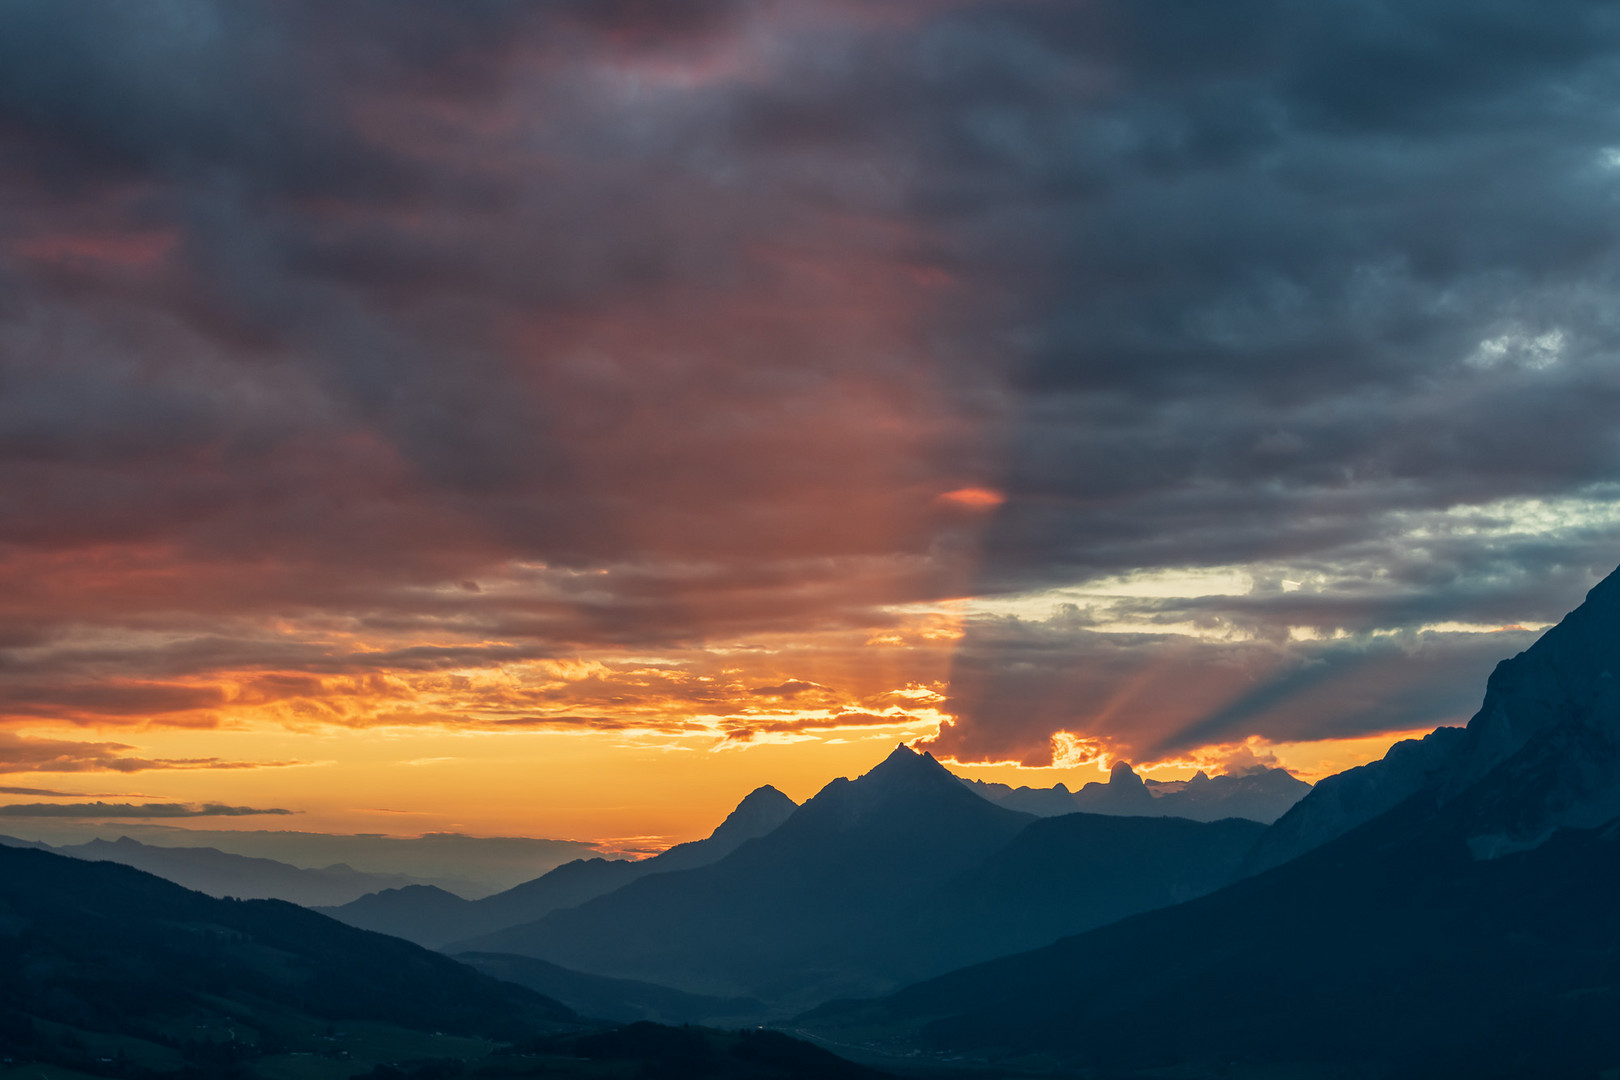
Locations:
(904, 778)
(903, 761)
(905, 786)
(761, 811)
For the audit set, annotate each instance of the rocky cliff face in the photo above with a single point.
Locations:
(1560, 694)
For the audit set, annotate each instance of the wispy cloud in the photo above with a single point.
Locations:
(132, 810)
(22, 754)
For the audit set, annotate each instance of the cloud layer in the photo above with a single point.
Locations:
(585, 365)
(111, 811)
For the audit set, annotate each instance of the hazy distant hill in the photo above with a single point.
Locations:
(1260, 794)
(434, 918)
(471, 866)
(220, 873)
(1470, 929)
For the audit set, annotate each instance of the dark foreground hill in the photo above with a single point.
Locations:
(1470, 930)
(625, 1000)
(109, 971)
(98, 956)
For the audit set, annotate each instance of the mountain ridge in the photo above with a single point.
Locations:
(1567, 674)
(246, 877)
(435, 919)
(782, 905)
(1470, 926)
(1258, 794)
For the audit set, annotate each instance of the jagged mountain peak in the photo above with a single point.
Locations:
(907, 775)
(906, 783)
(1567, 675)
(1560, 692)
(904, 761)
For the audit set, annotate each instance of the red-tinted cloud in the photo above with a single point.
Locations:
(372, 364)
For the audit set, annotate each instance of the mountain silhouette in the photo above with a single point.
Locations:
(108, 971)
(102, 948)
(897, 875)
(1258, 794)
(1058, 876)
(221, 873)
(1565, 687)
(783, 914)
(1469, 929)
(434, 918)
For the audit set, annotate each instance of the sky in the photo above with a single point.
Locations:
(555, 419)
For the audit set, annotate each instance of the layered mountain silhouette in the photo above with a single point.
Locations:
(901, 873)
(434, 918)
(1259, 794)
(220, 873)
(782, 913)
(99, 954)
(1448, 910)
(1459, 918)
(109, 971)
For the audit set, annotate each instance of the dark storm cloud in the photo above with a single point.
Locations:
(1157, 697)
(1289, 281)
(665, 324)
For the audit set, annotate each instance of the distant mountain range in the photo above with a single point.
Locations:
(433, 917)
(898, 874)
(1456, 918)
(1258, 794)
(438, 919)
(470, 866)
(220, 873)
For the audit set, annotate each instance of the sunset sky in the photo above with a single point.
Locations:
(555, 419)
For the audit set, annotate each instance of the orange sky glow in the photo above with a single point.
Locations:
(559, 422)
